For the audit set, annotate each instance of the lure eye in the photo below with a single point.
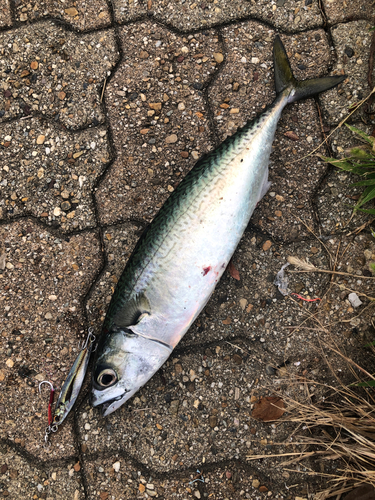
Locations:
(107, 377)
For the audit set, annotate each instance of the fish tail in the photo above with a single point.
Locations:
(284, 77)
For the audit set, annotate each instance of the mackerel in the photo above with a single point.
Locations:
(179, 260)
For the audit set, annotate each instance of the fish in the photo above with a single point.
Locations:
(179, 260)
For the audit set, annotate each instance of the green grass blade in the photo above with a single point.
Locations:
(367, 195)
(362, 134)
(370, 211)
(367, 182)
(370, 383)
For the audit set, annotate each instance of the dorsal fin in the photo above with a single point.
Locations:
(132, 311)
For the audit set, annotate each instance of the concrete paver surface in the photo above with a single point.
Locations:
(104, 107)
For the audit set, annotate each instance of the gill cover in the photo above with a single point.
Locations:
(125, 363)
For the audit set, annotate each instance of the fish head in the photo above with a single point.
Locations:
(125, 361)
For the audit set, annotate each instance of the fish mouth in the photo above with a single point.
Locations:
(111, 405)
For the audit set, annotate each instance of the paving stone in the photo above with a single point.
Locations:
(49, 172)
(130, 10)
(218, 481)
(352, 42)
(69, 72)
(190, 73)
(45, 278)
(103, 479)
(246, 84)
(159, 71)
(353, 259)
(347, 11)
(83, 16)
(192, 15)
(5, 17)
(20, 478)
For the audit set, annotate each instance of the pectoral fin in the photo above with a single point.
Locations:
(132, 312)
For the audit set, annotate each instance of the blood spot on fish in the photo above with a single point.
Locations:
(206, 270)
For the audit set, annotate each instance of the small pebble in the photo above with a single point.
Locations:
(243, 303)
(171, 139)
(267, 245)
(354, 300)
(10, 363)
(72, 11)
(219, 58)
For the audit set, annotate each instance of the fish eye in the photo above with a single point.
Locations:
(106, 377)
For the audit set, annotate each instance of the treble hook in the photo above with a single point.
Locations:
(90, 338)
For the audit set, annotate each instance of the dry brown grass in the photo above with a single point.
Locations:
(341, 428)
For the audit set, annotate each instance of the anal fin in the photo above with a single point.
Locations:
(266, 184)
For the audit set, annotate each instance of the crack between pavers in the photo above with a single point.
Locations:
(50, 121)
(34, 460)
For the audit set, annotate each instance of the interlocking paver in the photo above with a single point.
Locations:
(130, 10)
(158, 117)
(188, 15)
(49, 172)
(23, 479)
(48, 70)
(338, 12)
(80, 14)
(145, 88)
(352, 43)
(5, 17)
(226, 481)
(44, 278)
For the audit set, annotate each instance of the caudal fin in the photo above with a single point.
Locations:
(299, 89)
